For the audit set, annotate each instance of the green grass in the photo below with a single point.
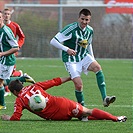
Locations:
(118, 75)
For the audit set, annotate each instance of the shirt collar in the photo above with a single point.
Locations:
(81, 28)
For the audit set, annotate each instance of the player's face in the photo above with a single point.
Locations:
(1, 19)
(84, 20)
(7, 15)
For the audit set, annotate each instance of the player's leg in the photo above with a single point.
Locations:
(2, 92)
(95, 67)
(98, 114)
(74, 69)
(101, 115)
(102, 86)
(7, 91)
(5, 73)
(16, 73)
(24, 78)
(101, 83)
(79, 90)
(90, 64)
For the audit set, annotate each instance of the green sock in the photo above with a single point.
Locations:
(80, 97)
(2, 91)
(101, 83)
(7, 81)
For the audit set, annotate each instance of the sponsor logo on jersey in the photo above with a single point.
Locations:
(83, 43)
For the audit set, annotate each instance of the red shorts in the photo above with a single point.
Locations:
(63, 109)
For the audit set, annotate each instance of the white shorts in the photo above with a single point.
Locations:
(5, 71)
(76, 68)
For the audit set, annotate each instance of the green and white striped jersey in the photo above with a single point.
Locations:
(7, 41)
(77, 39)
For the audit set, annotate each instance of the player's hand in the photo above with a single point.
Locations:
(1, 54)
(5, 117)
(71, 52)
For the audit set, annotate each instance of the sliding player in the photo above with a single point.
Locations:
(57, 108)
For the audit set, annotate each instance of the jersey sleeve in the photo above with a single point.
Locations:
(90, 35)
(21, 36)
(60, 37)
(10, 38)
(66, 32)
(18, 108)
(90, 39)
(49, 83)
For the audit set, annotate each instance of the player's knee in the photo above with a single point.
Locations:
(87, 111)
(79, 87)
(97, 68)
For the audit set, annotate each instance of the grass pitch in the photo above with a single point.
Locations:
(118, 76)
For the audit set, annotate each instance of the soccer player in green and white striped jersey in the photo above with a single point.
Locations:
(78, 57)
(8, 46)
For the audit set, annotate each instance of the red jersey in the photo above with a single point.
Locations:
(17, 32)
(57, 108)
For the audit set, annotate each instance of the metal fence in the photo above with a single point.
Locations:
(112, 32)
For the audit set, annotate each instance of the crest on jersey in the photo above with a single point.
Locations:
(83, 43)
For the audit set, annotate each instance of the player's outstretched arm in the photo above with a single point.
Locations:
(53, 82)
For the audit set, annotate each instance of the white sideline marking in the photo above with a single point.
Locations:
(115, 106)
(44, 66)
(52, 66)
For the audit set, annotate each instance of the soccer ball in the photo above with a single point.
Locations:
(37, 102)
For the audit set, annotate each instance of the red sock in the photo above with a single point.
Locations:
(16, 73)
(6, 89)
(92, 118)
(102, 115)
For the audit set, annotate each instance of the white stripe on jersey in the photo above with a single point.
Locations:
(12, 41)
(69, 29)
(1, 42)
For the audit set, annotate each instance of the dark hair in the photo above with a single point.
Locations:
(85, 12)
(15, 85)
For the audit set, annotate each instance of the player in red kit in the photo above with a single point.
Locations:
(57, 108)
